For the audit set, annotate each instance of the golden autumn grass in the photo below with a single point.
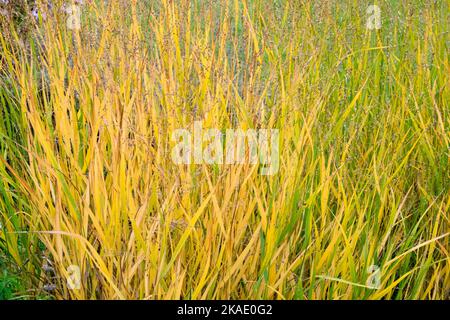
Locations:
(86, 177)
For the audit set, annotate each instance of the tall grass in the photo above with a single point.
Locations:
(86, 177)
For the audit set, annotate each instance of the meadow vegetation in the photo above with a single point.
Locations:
(359, 208)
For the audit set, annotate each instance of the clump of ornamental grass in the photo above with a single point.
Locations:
(357, 210)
